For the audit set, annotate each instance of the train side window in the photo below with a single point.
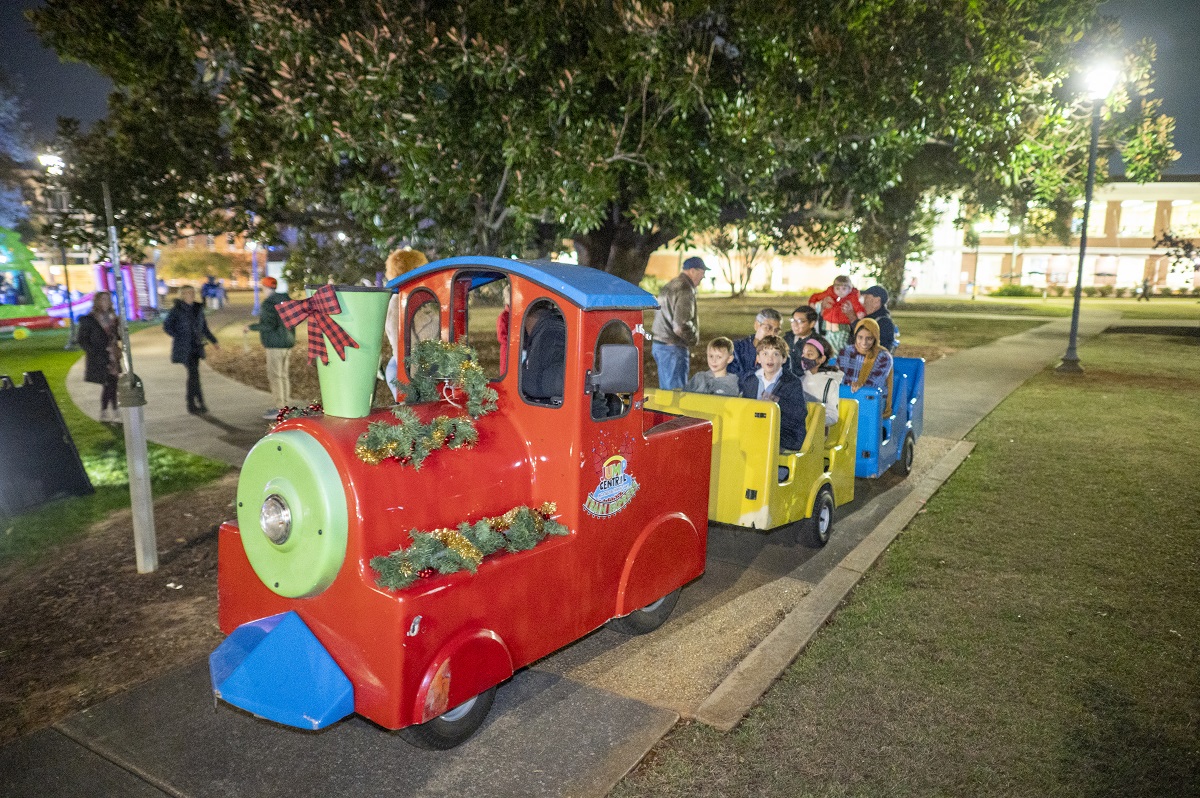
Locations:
(610, 405)
(543, 354)
(423, 320)
(478, 305)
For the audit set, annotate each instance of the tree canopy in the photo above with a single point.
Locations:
(505, 127)
(14, 156)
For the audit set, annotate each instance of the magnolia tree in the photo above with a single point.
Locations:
(506, 128)
(14, 156)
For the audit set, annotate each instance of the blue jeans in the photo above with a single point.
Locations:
(672, 365)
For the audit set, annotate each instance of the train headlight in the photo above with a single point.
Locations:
(275, 518)
(292, 514)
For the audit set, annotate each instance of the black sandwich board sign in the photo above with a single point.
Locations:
(38, 459)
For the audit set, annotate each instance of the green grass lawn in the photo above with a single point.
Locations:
(101, 448)
(1034, 632)
(1159, 308)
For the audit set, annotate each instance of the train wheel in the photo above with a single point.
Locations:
(648, 618)
(817, 527)
(453, 727)
(908, 452)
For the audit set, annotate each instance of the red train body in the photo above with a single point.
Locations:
(631, 487)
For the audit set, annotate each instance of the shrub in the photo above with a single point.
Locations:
(1120, 292)
(652, 284)
(1058, 290)
(1089, 290)
(1016, 290)
(1164, 291)
(196, 264)
(1104, 290)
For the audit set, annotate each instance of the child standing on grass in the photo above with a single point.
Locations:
(840, 307)
(717, 380)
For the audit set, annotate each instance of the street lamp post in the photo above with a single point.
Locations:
(1015, 231)
(1100, 83)
(978, 230)
(54, 167)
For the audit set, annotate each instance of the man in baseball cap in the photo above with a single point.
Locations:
(874, 300)
(676, 328)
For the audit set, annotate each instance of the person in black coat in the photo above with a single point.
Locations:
(97, 337)
(774, 383)
(189, 330)
(544, 357)
(875, 300)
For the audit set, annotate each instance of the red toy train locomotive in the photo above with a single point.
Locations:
(614, 497)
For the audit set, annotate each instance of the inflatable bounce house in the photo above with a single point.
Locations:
(26, 302)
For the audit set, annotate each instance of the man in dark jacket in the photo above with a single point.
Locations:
(774, 383)
(875, 300)
(189, 330)
(745, 350)
(277, 341)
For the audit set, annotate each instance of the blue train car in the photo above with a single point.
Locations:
(890, 440)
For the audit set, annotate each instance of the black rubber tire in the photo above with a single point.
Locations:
(908, 452)
(648, 618)
(452, 728)
(817, 528)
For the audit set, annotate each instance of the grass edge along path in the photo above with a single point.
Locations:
(1035, 632)
(27, 536)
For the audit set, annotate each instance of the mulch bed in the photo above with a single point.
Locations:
(81, 624)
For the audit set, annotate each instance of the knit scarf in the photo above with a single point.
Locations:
(868, 363)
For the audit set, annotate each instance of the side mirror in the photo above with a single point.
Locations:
(619, 371)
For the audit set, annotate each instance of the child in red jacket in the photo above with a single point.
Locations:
(840, 308)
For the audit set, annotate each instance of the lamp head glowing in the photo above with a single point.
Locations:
(1100, 80)
(53, 163)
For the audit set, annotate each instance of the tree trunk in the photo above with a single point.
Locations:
(618, 249)
(891, 277)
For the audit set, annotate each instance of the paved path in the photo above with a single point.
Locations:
(235, 420)
(574, 723)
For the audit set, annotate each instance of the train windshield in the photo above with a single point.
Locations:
(480, 318)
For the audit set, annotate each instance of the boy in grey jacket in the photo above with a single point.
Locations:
(717, 380)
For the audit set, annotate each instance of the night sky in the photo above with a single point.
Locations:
(51, 89)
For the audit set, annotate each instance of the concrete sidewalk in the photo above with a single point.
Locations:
(234, 421)
(572, 724)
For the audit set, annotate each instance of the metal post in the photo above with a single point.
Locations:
(63, 212)
(975, 268)
(254, 311)
(1070, 361)
(131, 396)
(1014, 275)
(72, 343)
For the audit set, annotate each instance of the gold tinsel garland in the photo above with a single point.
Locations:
(409, 440)
(446, 550)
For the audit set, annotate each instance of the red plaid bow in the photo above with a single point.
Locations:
(317, 309)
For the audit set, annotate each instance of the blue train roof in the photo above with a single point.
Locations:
(590, 289)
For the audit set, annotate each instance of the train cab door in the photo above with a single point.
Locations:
(479, 302)
(613, 457)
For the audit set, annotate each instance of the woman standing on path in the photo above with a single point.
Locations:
(188, 330)
(102, 351)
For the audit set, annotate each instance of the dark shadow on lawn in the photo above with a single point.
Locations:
(1121, 751)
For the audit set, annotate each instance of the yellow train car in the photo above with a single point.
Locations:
(755, 484)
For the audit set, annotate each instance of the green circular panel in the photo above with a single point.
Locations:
(295, 467)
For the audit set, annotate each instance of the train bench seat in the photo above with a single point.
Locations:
(753, 483)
